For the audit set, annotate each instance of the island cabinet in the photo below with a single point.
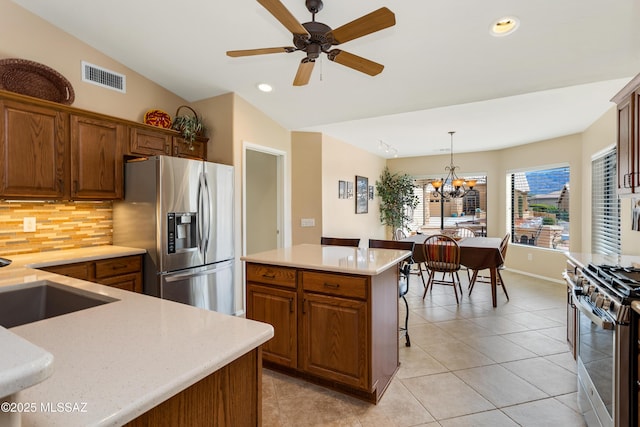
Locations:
(272, 298)
(336, 329)
(628, 145)
(33, 147)
(121, 272)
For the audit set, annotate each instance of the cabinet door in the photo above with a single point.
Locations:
(278, 308)
(148, 142)
(96, 158)
(625, 140)
(195, 150)
(334, 339)
(33, 146)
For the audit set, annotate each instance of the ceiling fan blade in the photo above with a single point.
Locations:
(282, 14)
(263, 51)
(356, 62)
(367, 24)
(304, 72)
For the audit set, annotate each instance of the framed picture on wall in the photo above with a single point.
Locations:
(349, 189)
(362, 194)
(342, 189)
(635, 214)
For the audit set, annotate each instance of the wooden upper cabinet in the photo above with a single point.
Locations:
(96, 158)
(195, 150)
(628, 146)
(33, 147)
(149, 142)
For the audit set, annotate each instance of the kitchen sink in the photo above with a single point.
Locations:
(42, 300)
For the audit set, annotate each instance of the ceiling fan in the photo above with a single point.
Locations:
(314, 38)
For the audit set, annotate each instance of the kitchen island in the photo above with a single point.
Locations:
(139, 359)
(334, 311)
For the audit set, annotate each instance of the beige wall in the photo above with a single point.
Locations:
(306, 186)
(26, 36)
(341, 161)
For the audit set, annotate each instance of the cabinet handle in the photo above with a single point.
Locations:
(269, 276)
(304, 306)
(175, 150)
(118, 266)
(290, 305)
(75, 186)
(167, 149)
(332, 285)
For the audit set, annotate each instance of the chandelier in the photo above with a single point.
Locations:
(457, 187)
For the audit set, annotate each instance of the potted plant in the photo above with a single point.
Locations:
(397, 199)
(190, 126)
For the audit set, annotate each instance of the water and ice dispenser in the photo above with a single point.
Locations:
(181, 233)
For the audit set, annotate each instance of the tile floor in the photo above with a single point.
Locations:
(468, 365)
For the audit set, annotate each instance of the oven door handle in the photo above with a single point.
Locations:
(602, 321)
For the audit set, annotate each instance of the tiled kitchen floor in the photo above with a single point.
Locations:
(468, 365)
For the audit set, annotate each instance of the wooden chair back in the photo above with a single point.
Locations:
(339, 241)
(442, 253)
(465, 232)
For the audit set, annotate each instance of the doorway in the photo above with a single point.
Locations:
(263, 199)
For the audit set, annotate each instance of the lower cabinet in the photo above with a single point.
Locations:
(230, 397)
(325, 329)
(276, 307)
(334, 339)
(122, 272)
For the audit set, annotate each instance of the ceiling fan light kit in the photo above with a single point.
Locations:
(315, 38)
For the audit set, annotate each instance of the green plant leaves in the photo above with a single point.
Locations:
(397, 199)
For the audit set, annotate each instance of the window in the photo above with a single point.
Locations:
(540, 208)
(605, 206)
(469, 210)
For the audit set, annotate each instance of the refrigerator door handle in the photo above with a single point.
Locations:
(200, 217)
(207, 215)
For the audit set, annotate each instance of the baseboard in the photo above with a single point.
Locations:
(559, 280)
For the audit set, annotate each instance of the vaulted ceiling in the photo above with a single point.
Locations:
(443, 69)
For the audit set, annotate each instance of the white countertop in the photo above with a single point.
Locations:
(118, 360)
(340, 259)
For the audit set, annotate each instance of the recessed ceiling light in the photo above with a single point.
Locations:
(504, 26)
(264, 87)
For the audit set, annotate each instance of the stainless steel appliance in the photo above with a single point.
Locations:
(181, 212)
(606, 347)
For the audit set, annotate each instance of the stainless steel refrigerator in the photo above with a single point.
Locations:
(181, 212)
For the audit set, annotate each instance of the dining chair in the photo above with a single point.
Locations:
(463, 232)
(504, 244)
(400, 234)
(404, 271)
(442, 255)
(339, 241)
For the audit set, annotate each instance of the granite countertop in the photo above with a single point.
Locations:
(339, 259)
(115, 361)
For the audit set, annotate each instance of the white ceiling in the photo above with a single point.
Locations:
(443, 70)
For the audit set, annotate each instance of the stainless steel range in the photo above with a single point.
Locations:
(607, 394)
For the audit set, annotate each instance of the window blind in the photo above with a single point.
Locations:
(605, 211)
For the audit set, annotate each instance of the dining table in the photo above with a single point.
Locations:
(476, 253)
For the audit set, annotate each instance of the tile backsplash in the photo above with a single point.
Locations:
(59, 225)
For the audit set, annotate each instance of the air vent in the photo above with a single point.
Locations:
(102, 77)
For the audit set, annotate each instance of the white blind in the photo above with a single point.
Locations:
(605, 214)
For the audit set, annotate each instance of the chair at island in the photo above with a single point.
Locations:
(339, 241)
(442, 255)
(404, 271)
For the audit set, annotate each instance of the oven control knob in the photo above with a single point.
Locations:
(599, 301)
